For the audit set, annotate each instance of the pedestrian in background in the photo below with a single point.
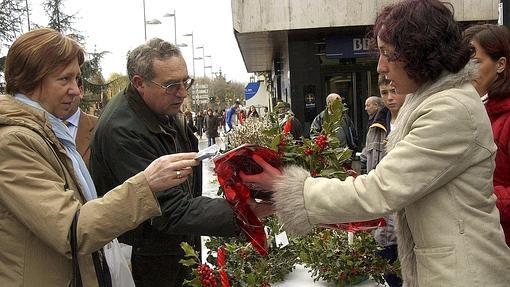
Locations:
(437, 172)
(346, 134)
(199, 123)
(241, 116)
(230, 115)
(253, 112)
(372, 154)
(288, 121)
(211, 127)
(491, 45)
(46, 188)
(373, 105)
(384, 120)
(80, 125)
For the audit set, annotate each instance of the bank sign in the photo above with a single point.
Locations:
(347, 47)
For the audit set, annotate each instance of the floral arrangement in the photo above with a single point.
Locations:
(342, 254)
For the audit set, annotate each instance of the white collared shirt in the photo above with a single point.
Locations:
(72, 123)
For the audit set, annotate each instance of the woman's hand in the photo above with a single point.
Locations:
(170, 170)
(263, 181)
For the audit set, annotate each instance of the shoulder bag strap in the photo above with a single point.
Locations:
(74, 246)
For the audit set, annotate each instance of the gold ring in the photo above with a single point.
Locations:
(178, 174)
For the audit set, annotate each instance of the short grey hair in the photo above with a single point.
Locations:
(140, 60)
(376, 100)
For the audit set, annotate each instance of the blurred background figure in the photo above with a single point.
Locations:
(288, 122)
(81, 125)
(346, 134)
(230, 116)
(253, 112)
(241, 116)
(211, 127)
(373, 105)
(373, 153)
(199, 124)
(491, 45)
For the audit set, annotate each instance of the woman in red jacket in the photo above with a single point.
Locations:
(492, 50)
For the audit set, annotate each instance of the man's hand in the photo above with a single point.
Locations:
(170, 170)
(262, 208)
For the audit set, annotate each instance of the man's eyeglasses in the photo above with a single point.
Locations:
(173, 87)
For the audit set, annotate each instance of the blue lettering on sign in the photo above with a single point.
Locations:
(347, 47)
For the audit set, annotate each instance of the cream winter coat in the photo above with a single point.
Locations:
(438, 177)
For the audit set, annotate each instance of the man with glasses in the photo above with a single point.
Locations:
(140, 124)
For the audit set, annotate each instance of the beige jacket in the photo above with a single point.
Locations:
(438, 177)
(86, 126)
(39, 196)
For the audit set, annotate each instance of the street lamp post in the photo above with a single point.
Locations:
(210, 65)
(192, 50)
(175, 24)
(203, 57)
(190, 102)
(144, 22)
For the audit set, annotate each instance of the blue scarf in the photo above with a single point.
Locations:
(64, 136)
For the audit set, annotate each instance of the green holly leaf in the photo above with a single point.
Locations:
(188, 250)
(195, 282)
(188, 262)
(345, 155)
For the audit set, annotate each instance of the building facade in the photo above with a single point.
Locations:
(309, 48)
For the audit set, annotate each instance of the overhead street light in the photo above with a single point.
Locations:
(175, 24)
(203, 57)
(192, 60)
(153, 22)
(210, 65)
(192, 50)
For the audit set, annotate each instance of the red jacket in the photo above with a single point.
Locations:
(499, 114)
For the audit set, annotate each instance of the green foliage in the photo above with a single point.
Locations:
(331, 259)
(222, 93)
(12, 15)
(61, 21)
(245, 267)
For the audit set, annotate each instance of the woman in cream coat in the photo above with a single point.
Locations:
(438, 172)
(43, 180)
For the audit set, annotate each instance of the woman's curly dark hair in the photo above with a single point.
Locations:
(425, 36)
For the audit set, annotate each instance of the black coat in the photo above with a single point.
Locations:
(211, 126)
(128, 137)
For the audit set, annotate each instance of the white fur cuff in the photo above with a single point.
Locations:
(289, 200)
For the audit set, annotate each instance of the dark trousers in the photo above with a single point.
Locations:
(390, 253)
(211, 141)
(158, 271)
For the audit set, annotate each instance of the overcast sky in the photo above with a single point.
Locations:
(117, 26)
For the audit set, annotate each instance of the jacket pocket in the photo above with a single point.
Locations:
(436, 266)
